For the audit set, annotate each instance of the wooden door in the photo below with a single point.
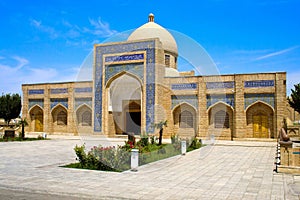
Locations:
(260, 126)
(39, 123)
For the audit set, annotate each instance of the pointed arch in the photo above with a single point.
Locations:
(58, 105)
(122, 90)
(183, 104)
(59, 115)
(185, 120)
(34, 107)
(36, 118)
(257, 102)
(220, 120)
(84, 115)
(120, 74)
(217, 103)
(260, 118)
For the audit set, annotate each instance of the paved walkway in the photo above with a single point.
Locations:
(226, 170)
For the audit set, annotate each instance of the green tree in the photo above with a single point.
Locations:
(160, 126)
(10, 106)
(294, 100)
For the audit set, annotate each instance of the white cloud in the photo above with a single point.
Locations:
(44, 28)
(14, 75)
(36, 23)
(74, 35)
(101, 28)
(277, 53)
(21, 62)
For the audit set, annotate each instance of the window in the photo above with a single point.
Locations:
(221, 119)
(86, 119)
(186, 120)
(167, 60)
(62, 118)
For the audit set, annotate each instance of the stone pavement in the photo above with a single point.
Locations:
(225, 170)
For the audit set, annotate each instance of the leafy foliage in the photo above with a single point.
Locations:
(294, 101)
(10, 107)
(103, 158)
(118, 158)
(23, 123)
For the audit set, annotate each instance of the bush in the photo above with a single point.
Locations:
(103, 158)
(118, 158)
(195, 144)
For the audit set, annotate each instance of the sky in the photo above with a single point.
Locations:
(48, 41)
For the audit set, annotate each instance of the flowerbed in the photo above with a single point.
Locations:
(117, 158)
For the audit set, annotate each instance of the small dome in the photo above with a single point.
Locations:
(171, 72)
(153, 30)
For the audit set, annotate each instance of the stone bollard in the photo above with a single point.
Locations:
(212, 138)
(183, 147)
(134, 159)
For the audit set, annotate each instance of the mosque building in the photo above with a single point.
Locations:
(136, 83)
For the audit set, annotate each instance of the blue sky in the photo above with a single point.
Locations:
(47, 41)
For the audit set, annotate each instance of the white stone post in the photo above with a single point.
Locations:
(212, 138)
(134, 159)
(183, 147)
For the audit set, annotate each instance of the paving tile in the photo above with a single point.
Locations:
(228, 170)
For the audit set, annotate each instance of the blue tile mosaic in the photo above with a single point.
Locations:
(37, 91)
(184, 86)
(220, 85)
(260, 83)
(211, 99)
(149, 47)
(82, 101)
(136, 69)
(120, 58)
(59, 90)
(83, 90)
(56, 101)
(190, 99)
(34, 102)
(252, 98)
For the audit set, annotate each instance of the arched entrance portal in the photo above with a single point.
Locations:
(124, 105)
(260, 117)
(37, 119)
(184, 117)
(221, 120)
(59, 119)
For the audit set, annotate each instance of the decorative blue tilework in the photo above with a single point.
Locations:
(220, 85)
(56, 101)
(81, 101)
(83, 90)
(211, 99)
(136, 69)
(266, 98)
(190, 99)
(149, 47)
(33, 102)
(184, 86)
(120, 58)
(260, 83)
(59, 90)
(37, 91)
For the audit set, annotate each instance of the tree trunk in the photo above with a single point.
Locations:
(160, 136)
(23, 132)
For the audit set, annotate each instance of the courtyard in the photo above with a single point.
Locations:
(224, 170)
